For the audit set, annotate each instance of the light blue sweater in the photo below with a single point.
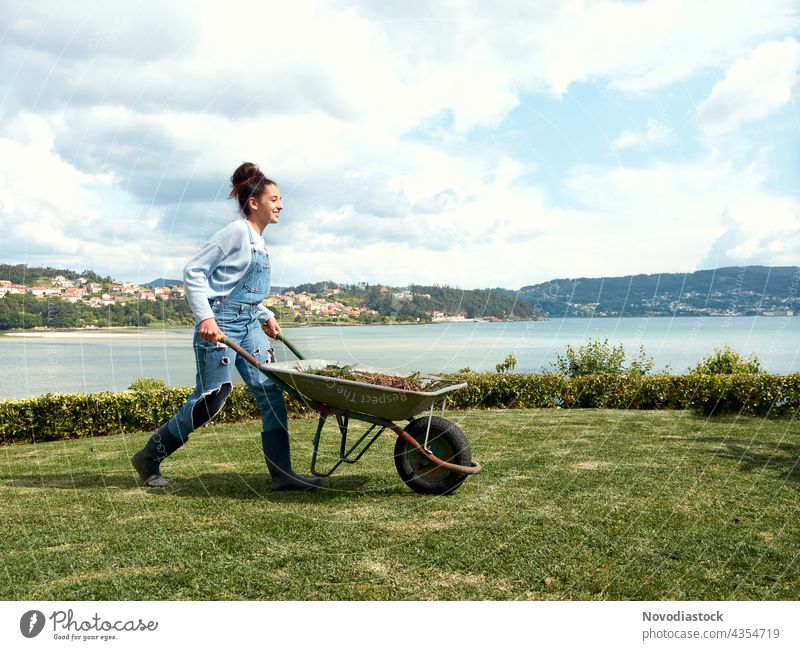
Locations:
(218, 267)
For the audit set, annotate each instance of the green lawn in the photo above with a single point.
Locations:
(582, 504)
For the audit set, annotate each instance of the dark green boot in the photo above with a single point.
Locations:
(276, 452)
(147, 461)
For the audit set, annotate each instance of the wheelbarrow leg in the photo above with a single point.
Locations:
(317, 434)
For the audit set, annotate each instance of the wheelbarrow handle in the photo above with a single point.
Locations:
(221, 338)
(295, 351)
(238, 349)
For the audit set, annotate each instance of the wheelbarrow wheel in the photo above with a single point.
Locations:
(447, 442)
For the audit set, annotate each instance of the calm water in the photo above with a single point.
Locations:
(95, 360)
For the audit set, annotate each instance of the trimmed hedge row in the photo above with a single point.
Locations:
(60, 416)
(750, 394)
(63, 416)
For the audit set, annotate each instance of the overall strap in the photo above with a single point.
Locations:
(240, 286)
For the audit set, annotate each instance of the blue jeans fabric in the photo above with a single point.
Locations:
(237, 317)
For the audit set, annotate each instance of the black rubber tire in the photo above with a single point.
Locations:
(447, 442)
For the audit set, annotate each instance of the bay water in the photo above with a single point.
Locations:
(39, 362)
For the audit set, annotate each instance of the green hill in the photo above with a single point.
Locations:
(739, 291)
(730, 291)
(419, 302)
(31, 275)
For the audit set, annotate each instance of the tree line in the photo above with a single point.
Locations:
(471, 303)
(30, 275)
(26, 312)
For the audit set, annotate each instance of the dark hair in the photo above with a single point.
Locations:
(248, 180)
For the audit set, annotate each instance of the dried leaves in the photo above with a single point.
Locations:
(377, 379)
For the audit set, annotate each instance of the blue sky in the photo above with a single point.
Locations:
(448, 142)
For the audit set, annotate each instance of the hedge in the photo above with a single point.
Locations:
(61, 416)
(749, 394)
(57, 416)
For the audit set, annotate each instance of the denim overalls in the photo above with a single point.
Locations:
(237, 316)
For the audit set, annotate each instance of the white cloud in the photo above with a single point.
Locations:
(661, 218)
(646, 45)
(462, 45)
(760, 230)
(143, 117)
(370, 62)
(374, 66)
(745, 240)
(752, 88)
(54, 214)
(485, 229)
(665, 217)
(657, 134)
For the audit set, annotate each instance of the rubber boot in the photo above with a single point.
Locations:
(276, 452)
(147, 461)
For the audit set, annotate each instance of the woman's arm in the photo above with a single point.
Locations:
(195, 280)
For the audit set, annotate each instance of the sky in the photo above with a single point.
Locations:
(449, 142)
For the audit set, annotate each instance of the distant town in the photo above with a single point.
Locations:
(309, 305)
(93, 294)
(58, 298)
(289, 303)
(303, 305)
(692, 303)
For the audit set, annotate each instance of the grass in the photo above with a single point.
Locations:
(583, 504)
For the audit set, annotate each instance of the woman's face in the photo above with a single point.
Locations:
(268, 206)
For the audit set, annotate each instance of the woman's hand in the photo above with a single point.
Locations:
(271, 328)
(209, 330)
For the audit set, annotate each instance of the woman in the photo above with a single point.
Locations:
(226, 283)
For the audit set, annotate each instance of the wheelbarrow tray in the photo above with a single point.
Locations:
(355, 396)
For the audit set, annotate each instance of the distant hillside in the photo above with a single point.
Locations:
(473, 303)
(29, 275)
(162, 282)
(730, 291)
(735, 291)
(418, 302)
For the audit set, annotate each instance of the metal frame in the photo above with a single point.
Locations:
(343, 421)
(345, 456)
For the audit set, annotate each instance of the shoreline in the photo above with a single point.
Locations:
(42, 332)
(130, 330)
(56, 331)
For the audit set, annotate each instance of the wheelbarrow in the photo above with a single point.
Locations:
(432, 454)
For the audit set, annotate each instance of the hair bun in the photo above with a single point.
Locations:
(248, 180)
(244, 173)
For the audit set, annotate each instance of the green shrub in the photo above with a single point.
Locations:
(597, 357)
(728, 396)
(147, 383)
(509, 363)
(728, 361)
